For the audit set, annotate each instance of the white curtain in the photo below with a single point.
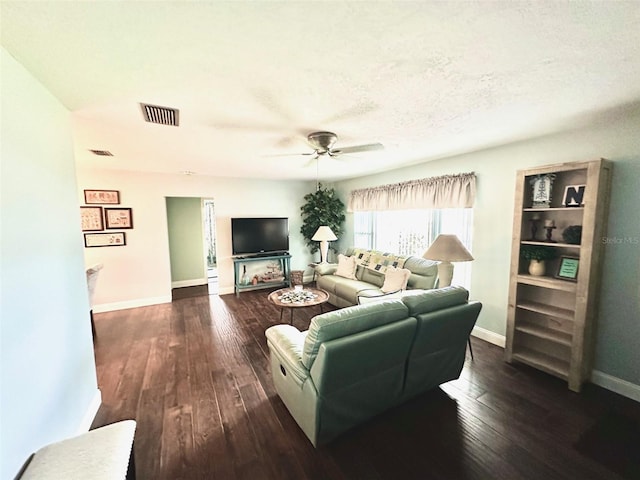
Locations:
(447, 191)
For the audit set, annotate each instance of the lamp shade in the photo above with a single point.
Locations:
(324, 233)
(448, 248)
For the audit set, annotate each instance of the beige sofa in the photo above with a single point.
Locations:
(344, 292)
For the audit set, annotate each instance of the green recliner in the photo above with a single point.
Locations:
(357, 362)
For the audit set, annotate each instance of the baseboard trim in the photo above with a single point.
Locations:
(617, 385)
(226, 290)
(604, 380)
(91, 413)
(194, 282)
(141, 302)
(489, 336)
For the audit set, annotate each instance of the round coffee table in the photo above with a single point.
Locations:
(317, 297)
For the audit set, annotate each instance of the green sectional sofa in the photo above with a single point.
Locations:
(344, 292)
(357, 362)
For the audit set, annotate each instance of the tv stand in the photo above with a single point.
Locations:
(271, 276)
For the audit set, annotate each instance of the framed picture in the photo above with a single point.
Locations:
(91, 218)
(105, 239)
(110, 197)
(568, 268)
(573, 196)
(541, 190)
(118, 218)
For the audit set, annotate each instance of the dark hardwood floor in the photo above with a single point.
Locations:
(195, 375)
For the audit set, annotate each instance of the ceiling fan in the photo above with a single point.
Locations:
(323, 144)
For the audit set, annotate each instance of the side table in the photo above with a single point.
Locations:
(313, 267)
(321, 297)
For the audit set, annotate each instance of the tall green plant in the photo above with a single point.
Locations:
(321, 208)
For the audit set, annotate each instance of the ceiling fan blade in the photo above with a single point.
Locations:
(312, 160)
(298, 137)
(269, 101)
(358, 148)
(289, 154)
(354, 111)
(345, 157)
(242, 125)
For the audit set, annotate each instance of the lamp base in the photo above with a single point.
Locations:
(324, 251)
(445, 274)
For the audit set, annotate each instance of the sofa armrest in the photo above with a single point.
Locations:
(286, 342)
(326, 268)
(368, 296)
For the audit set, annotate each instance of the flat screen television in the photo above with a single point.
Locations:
(251, 236)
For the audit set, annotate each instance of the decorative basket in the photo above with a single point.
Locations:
(297, 277)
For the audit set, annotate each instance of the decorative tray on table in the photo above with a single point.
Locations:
(297, 296)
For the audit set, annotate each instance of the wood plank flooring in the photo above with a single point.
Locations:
(195, 375)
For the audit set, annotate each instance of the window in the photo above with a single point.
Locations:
(410, 232)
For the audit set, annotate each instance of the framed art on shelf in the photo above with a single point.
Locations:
(91, 219)
(118, 218)
(105, 239)
(568, 268)
(110, 197)
(541, 189)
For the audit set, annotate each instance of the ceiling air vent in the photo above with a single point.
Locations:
(160, 115)
(102, 153)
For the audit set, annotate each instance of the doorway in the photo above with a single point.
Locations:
(209, 225)
(192, 246)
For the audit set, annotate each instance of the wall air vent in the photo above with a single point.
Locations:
(160, 115)
(102, 153)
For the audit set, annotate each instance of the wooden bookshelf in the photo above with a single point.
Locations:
(551, 317)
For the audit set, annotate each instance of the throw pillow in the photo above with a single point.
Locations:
(346, 267)
(395, 279)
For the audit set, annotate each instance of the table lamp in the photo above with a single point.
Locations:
(446, 249)
(324, 235)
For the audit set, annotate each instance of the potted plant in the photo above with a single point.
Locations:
(537, 255)
(323, 207)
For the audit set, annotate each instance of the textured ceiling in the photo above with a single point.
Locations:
(251, 79)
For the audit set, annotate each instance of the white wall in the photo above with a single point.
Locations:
(615, 136)
(139, 273)
(48, 383)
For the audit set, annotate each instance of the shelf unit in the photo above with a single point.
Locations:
(551, 321)
(284, 265)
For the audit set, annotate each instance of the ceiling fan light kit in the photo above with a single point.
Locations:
(322, 141)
